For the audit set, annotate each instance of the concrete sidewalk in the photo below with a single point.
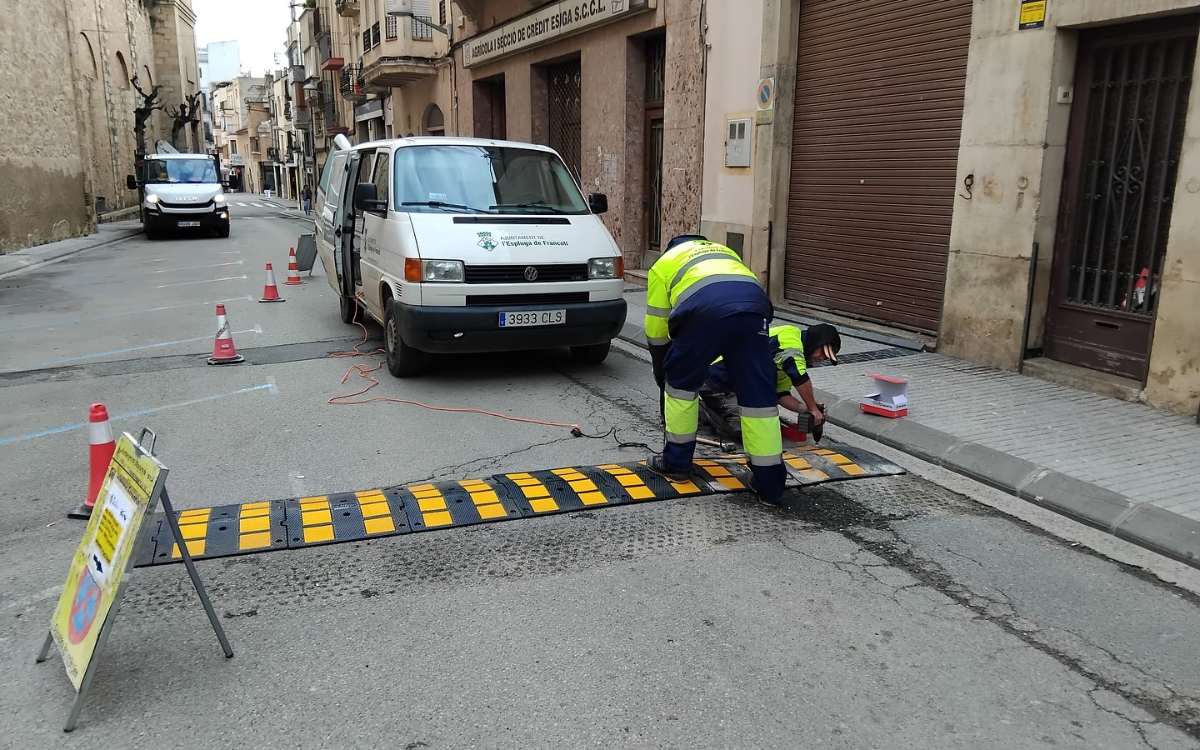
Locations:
(21, 260)
(1125, 468)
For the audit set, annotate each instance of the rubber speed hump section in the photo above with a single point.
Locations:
(262, 526)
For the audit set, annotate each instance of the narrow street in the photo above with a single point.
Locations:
(884, 612)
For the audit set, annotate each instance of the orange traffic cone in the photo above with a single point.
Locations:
(270, 291)
(224, 352)
(100, 454)
(293, 269)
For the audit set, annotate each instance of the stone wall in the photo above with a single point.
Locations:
(43, 175)
(66, 112)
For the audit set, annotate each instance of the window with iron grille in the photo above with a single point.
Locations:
(422, 29)
(366, 40)
(656, 69)
(442, 12)
(564, 84)
(375, 34)
(390, 27)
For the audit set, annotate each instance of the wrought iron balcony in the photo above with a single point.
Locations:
(325, 53)
(347, 8)
(352, 85)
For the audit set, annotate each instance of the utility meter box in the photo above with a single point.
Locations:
(737, 142)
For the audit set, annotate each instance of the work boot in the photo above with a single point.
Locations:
(658, 467)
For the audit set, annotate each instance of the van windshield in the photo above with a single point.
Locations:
(484, 179)
(181, 170)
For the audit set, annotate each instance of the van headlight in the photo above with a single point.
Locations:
(151, 198)
(416, 270)
(606, 268)
(219, 199)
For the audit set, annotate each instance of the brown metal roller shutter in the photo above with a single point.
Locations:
(879, 103)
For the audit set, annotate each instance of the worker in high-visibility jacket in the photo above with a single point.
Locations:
(702, 302)
(792, 351)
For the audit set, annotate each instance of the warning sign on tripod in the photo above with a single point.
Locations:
(133, 485)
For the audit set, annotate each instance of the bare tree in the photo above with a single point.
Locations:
(142, 113)
(187, 114)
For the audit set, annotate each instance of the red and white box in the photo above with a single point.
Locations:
(890, 398)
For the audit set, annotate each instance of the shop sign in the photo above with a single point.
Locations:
(553, 22)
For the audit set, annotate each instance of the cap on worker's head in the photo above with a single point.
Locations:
(823, 338)
(679, 239)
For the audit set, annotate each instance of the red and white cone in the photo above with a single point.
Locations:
(293, 269)
(224, 352)
(100, 454)
(270, 291)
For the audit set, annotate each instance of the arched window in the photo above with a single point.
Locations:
(434, 123)
(87, 57)
(122, 71)
(149, 82)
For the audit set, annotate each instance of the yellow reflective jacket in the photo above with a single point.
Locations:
(680, 272)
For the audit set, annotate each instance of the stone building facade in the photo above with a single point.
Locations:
(962, 173)
(66, 109)
(617, 87)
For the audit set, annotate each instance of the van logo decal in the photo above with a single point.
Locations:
(486, 241)
(531, 273)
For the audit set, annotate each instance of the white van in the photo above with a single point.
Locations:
(468, 245)
(181, 191)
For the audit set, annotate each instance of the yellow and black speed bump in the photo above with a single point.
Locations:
(260, 526)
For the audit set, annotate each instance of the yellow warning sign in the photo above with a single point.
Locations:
(1033, 14)
(94, 579)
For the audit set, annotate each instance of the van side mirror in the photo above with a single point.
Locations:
(131, 182)
(366, 198)
(598, 202)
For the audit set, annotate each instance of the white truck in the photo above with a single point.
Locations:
(181, 191)
(468, 245)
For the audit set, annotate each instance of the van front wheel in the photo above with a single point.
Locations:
(593, 354)
(402, 360)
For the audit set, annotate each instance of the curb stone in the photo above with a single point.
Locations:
(1144, 524)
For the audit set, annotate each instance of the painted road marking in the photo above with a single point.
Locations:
(135, 414)
(243, 277)
(126, 350)
(197, 268)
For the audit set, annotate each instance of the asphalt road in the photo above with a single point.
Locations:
(878, 613)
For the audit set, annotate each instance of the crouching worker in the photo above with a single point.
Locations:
(702, 303)
(792, 353)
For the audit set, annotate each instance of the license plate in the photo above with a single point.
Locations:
(189, 223)
(533, 318)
